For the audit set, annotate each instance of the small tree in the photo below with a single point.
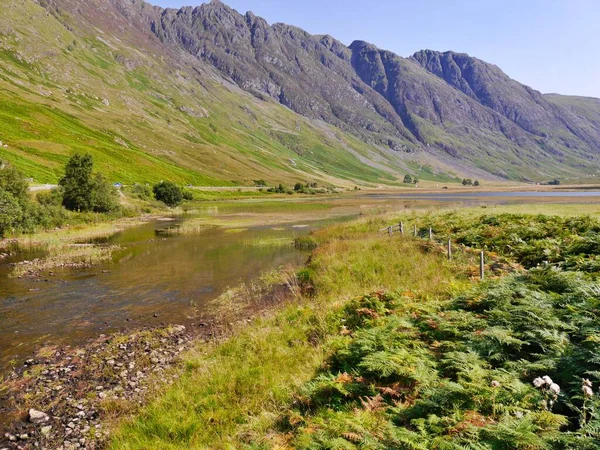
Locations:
(13, 182)
(168, 193)
(77, 183)
(298, 187)
(85, 191)
(476, 183)
(408, 179)
(467, 182)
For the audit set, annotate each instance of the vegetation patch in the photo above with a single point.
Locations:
(421, 358)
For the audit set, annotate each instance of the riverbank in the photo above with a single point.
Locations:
(76, 393)
(393, 345)
(265, 368)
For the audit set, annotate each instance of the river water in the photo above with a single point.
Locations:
(156, 278)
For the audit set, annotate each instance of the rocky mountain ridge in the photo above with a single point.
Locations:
(372, 112)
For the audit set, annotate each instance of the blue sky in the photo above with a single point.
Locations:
(550, 45)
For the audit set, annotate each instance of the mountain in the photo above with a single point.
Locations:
(207, 95)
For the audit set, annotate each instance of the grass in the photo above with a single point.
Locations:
(389, 345)
(232, 392)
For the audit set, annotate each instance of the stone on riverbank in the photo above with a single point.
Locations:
(36, 416)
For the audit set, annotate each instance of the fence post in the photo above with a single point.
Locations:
(481, 266)
(390, 231)
(430, 234)
(449, 249)
(401, 227)
(415, 230)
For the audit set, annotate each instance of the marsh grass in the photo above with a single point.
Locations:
(73, 246)
(269, 242)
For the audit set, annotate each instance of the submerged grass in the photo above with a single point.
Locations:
(71, 246)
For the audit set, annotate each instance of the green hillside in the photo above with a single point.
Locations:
(144, 119)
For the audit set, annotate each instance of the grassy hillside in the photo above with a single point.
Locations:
(66, 86)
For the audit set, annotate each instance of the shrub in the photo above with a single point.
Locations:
(141, 191)
(53, 197)
(13, 182)
(11, 212)
(168, 193)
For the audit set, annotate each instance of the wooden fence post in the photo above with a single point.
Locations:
(430, 234)
(390, 231)
(481, 266)
(415, 230)
(449, 249)
(401, 228)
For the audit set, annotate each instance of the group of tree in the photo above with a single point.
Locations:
(469, 182)
(409, 179)
(299, 188)
(80, 190)
(86, 191)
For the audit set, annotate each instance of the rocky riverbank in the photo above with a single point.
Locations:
(67, 398)
(63, 398)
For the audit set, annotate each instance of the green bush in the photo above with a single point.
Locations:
(13, 182)
(52, 197)
(141, 191)
(168, 193)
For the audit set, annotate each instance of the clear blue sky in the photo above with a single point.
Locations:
(550, 45)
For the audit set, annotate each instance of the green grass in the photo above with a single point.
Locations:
(232, 392)
(431, 360)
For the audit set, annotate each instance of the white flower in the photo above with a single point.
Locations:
(538, 382)
(555, 388)
(495, 384)
(587, 391)
(587, 382)
(547, 380)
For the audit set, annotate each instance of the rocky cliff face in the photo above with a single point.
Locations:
(446, 101)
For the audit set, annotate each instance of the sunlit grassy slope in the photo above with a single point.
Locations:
(67, 87)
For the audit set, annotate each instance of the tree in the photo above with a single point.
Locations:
(476, 183)
(298, 187)
(13, 182)
(11, 212)
(408, 179)
(85, 191)
(467, 182)
(168, 193)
